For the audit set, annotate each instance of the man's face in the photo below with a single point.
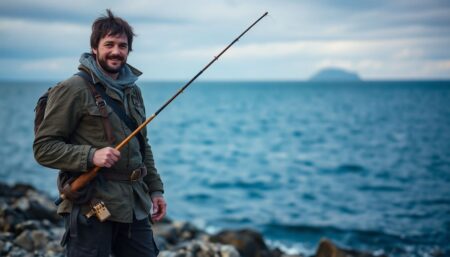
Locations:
(112, 53)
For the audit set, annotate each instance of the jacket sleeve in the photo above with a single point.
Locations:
(52, 147)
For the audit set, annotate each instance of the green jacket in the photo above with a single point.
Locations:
(72, 130)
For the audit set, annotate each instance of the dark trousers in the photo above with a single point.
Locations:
(100, 239)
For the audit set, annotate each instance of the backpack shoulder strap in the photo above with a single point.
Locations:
(118, 109)
(101, 104)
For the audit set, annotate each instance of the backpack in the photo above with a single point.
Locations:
(39, 110)
(42, 104)
(101, 99)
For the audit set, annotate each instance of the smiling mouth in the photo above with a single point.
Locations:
(115, 58)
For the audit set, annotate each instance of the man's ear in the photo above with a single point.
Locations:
(94, 51)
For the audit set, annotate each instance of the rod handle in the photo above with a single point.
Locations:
(59, 201)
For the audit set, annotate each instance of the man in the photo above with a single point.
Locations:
(76, 135)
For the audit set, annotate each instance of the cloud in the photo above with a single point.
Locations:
(379, 39)
(38, 39)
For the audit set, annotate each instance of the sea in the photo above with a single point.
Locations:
(364, 164)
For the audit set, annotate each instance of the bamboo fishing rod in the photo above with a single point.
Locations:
(85, 178)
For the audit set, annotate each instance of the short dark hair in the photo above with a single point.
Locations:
(110, 25)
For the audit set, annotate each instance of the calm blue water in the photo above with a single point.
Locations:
(365, 164)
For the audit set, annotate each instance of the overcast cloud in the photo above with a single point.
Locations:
(401, 39)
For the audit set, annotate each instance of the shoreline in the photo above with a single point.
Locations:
(30, 227)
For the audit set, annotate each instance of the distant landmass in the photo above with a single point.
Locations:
(335, 74)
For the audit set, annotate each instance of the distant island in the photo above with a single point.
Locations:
(335, 74)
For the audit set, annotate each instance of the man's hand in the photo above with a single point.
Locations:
(159, 208)
(106, 157)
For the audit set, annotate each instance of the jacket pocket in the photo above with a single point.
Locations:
(139, 114)
(93, 124)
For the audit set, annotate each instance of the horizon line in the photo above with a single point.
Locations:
(3, 80)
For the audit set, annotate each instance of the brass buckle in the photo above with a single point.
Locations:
(135, 175)
(101, 103)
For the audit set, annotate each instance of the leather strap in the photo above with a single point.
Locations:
(73, 220)
(104, 112)
(118, 109)
(101, 104)
(134, 175)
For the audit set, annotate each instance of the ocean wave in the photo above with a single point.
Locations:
(244, 184)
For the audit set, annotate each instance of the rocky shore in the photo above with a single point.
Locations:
(30, 227)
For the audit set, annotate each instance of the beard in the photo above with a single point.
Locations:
(108, 68)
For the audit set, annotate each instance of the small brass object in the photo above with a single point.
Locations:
(100, 211)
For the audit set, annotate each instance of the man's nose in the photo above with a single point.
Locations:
(115, 50)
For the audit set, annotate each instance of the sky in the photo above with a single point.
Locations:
(378, 39)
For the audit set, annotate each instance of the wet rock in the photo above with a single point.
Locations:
(33, 206)
(40, 239)
(327, 248)
(53, 248)
(8, 191)
(248, 242)
(10, 218)
(176, 232)
(161, 242)
(167, 232)
(199, 248)
(19, 252)
(27, 225)
(32, 240)
(5, 247)
(24, 240)
(41, 207)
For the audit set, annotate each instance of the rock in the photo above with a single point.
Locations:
(26, 202)
(161, 242)
(42, 207)
(176, 232)
(40, 239)
(248, 242)
(327, 248)
(22, 204)
(200, 248)
(7, 247)
(30, 227)
(27, 225)
(186, 230)
(54, 248)
(8, 191)
(11, 218)
(22, 189)
(167, 232)
(32, 240)
(24, 240)
(18, 252)
(6, 236)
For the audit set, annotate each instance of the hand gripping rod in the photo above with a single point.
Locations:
(84, 178)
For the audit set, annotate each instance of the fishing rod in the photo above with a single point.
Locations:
(85, 178)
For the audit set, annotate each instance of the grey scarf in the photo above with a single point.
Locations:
(126, 76)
